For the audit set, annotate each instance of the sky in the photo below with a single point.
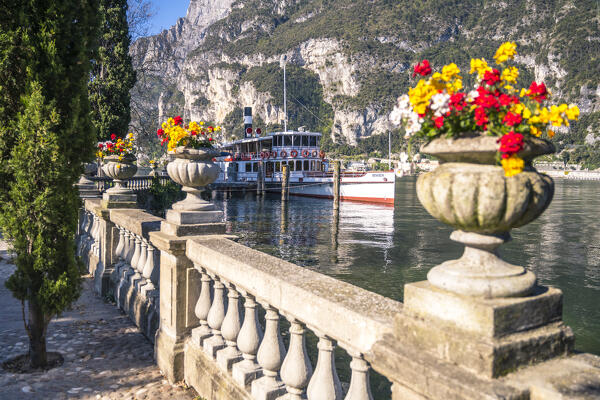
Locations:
(166, 13)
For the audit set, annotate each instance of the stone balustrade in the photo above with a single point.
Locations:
(235, 323)
(137, 183)
(255, 360)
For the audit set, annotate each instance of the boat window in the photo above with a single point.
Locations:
(277, 166)
(254, 167)
(291, 166)
(313, 141)
(287, 140)
(306, 165)
(298, 165)
(313, 166)
(304, 140)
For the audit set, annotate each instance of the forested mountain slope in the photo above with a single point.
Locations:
(348, 61)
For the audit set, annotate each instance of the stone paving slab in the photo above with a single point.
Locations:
(106, 356)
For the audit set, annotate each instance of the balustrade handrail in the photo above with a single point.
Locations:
(355, 317)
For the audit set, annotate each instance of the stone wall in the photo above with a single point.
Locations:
(220, 313)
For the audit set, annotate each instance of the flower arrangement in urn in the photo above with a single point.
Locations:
(195, 135)
(486, 185)
(439, 107)
(118, 155)
(192, 147)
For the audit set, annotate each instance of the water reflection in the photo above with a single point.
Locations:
(380, 248)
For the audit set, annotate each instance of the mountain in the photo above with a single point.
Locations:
(347, 62)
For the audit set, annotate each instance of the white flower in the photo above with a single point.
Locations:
(472, 95)
(401, 111)
(440, 104)
(413, 124)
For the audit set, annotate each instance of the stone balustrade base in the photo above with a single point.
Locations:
(490, 337)
(209, 380)
(211, 228)
(119, 200)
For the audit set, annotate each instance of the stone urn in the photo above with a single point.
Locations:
(470, 192)
(193, 169)
(119, 171)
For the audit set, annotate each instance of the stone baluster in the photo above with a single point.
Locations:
(215, 318)
(143, 254)
(148, 271)
(96, 235)
(131, 252)
(296, 368)
(126, 246)
(230, 330)
(93, 234)
(270, 357)
(136, 251)
(120, 245)
(360, 387)
(248, 342)
(325, 383)
(142, 261)
(202, 309)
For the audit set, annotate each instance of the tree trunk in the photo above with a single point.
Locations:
(37, 336)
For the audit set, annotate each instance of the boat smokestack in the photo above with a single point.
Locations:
(248, 122)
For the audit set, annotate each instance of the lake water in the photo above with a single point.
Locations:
(381, 248)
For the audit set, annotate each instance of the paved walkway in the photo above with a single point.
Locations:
(106, 357)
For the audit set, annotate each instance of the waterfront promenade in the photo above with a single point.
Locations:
(106, 356)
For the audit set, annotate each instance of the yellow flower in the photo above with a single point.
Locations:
(449, 72)
(479, 65)
(420, 95)
(535, 131)
(454, 86)
(550, 133)
(512, 165)
(510, 75)
(437, 81)
(572, 112)
(505, 51)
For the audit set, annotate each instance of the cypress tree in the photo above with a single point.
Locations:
(45, 136)
(113, 75)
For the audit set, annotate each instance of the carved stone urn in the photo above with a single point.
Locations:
(119, 171)
(469, 192)
(193, 169)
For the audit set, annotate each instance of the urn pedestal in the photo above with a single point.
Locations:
(87, 188)
(479, 311)
(119, 196)
(193, 169)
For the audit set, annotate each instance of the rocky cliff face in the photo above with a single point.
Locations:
(220, 57)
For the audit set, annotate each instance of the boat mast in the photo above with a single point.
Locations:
(284, 98)
(390, 149)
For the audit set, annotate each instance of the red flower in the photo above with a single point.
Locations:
(491, 77)
(194, 133)
(512, 119)
(113, 136)
(439, 121)
(210, 139)
(537, 92)
(422, 68)
(457, 101)
(506, 100)
(510, 144)
(162, 142)
(110, 145)
(160, 132)
(210, 129)
(178, 120)
(481, 118)
(100, 146)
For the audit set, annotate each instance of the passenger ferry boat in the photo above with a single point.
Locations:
(310, 172)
